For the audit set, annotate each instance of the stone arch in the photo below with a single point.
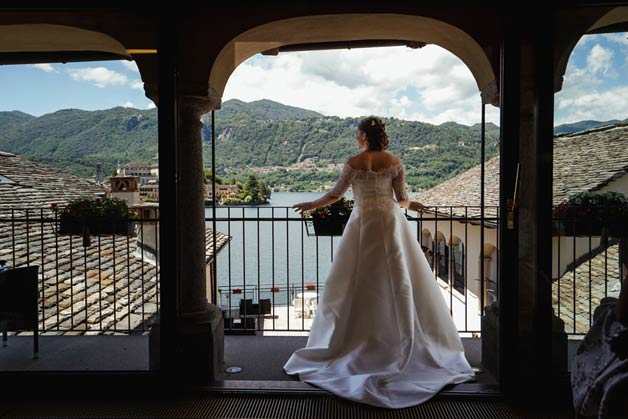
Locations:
(355, 27)
(46, 40)
(442, 252)
(617, 15)
(427, 245)
(490, 273)
(41, 43)
(427, 239)
(458, 260)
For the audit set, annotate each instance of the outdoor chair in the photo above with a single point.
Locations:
(18, 303)
(247, 308)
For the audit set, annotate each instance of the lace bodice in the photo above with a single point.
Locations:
(372, 188)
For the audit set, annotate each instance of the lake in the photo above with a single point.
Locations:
(265, 254)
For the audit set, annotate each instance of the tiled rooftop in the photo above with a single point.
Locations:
(101, 287)
(35, 185)
(603, 271)
(590, 160)
(585, 161)
(105, 287)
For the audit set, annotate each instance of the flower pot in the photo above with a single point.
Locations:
(95, 225)
(332, 226)
(591, 227)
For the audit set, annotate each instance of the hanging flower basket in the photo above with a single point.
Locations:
(590, 214)
(610, 227)
(330, 220)
(94, 226)
(329, 227)
(87, 216)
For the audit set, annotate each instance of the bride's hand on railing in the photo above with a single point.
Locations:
(416, 206)
(303, 207)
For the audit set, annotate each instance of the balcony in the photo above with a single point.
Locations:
(272, 272)
(99, 297)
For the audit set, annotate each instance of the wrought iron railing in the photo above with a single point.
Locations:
(587, 258)
(88, 284)
(272, 273)
(110, 283)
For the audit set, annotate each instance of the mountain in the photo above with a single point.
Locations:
(13, 117)
(248, 135)
(76, 140)
(264, 109)
(584, 126)
(432, 153)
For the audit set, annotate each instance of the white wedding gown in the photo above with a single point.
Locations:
(382, 333)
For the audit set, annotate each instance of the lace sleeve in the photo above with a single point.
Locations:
(399, 185)
(343, 183)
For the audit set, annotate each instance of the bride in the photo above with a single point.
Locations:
(382, 333)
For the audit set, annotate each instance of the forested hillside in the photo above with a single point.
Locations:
(261, 137)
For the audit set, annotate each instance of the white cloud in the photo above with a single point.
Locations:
(597, 90)
(429, 84)
(99, 76)
(128, 104)
(600, 106)
(600, 60)
(130, 65)
(44, 67)
(136, 84)
(151, 105)
(620, 38)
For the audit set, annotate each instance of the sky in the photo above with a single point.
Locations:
(428, 84)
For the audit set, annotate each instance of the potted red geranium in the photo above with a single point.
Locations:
(330, 220)
(592, 214)
(96, 216)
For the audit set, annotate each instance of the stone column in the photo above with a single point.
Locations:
(531, 347)
(542, 338)
(200, 324)
(191, 207)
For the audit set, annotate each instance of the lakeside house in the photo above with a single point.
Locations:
(594, 160)
(147, 174)
(224, 191)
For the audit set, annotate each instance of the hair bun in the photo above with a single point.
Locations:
(375, 130)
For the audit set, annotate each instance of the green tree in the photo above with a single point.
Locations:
(253, 191)
(208, 177)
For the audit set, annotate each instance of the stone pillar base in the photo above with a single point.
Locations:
(199, 347)
(559, 347)
(490, 340)
(490, 343)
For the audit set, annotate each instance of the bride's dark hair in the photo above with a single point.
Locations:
(375, 130)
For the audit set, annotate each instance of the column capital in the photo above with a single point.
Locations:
(490, 94)
(195, 106)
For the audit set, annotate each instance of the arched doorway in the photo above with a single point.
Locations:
(585, 266)
(354, 27)
(326, 29)
(63, 310)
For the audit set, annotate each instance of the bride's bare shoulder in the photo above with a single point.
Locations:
(355, 160)
(394, 160)
(373, 161)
